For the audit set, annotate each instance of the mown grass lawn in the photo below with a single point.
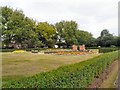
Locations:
(16, 65)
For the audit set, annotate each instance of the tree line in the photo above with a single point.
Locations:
(20, 31)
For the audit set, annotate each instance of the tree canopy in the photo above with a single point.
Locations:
(20, 31)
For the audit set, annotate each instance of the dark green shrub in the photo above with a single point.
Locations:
(39, 49)
(104, 49)
(107, 49)
(28, 49)
(7, 50)
(92, 47)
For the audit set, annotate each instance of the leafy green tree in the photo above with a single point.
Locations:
(70, 31)
(46, 33)
(28, 34)
(114, 41)
(118, 41)
(6, 33)
(104, 33)
(66, 32)
(18, 29)
(105, 39)
(59, 33)
(83, 37)
(15, 26)
(92, 42)
(25, 32)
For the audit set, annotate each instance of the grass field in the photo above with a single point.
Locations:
(16, 65)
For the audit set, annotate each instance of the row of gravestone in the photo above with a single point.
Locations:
(81, 47)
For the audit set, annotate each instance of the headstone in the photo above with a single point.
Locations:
(82, 47)
(74, 47)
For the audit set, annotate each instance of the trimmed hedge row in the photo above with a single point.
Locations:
(110, 49)
(7, 50)
(104, 49)
(28, 49)
(39, 49)
(78, 75)
(92, 47)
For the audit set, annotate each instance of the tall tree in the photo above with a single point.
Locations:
(105, 39)
(18, 30)
(83, 37)
(118, 41)
(6, 33)
(29, 37)
(15, 26)
(46, 33)
(66, 32)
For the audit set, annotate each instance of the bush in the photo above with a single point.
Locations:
(92, 47)
(7, 50)
(78, 75)
(39, 49)
(28, 49)
(109, 49)
(104, 49)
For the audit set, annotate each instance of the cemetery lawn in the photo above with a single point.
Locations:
(17, 65)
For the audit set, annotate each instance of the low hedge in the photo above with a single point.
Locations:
(105, 49)
(78, 75)
(28, 49)
(39, 49)
(92, 47)
(7, 50)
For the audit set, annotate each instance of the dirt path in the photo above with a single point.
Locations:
(111, 78)
(98, 81)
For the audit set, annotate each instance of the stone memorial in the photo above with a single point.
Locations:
(74, 47)
(82, 47)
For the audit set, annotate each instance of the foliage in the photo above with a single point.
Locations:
(109, 49)
(20, 31)
(78, 75)
(46, 33)
(92, 47)
(39, 49)
(83, 37)
(7, 50)
(104, 49)
(106, 39)
(68, 32)
(27, 49)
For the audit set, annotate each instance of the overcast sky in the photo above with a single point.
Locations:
(91, 15)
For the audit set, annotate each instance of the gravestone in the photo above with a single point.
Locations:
(74, 47)
(82, 47)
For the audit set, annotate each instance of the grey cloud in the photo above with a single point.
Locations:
(91, 15)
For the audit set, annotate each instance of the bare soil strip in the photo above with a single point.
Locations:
(98, 81)
(111, 81)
